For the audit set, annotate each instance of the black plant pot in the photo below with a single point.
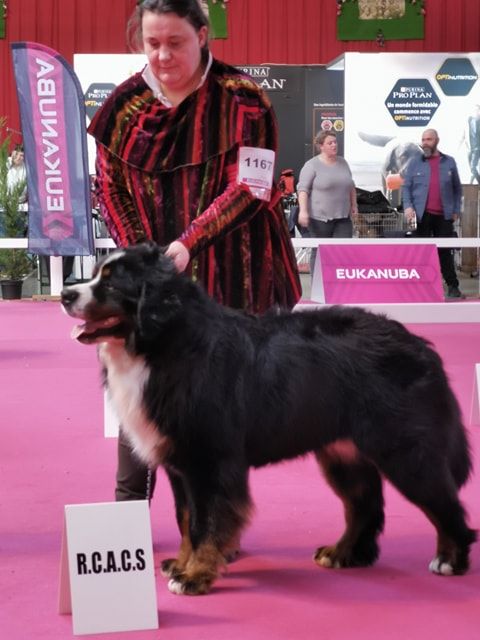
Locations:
(11, 289)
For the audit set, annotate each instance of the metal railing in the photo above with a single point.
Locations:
(56, 269)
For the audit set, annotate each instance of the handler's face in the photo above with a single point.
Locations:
(173, 48)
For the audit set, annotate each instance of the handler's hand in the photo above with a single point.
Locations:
(180, 255)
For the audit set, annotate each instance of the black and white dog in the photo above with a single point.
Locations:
(208, 392)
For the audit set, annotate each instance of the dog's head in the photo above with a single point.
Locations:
(131, 291)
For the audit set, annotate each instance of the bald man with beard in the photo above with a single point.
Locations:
(432, 194)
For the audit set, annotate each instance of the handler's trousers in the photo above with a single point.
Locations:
(135, 481)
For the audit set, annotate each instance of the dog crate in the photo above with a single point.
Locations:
(380, 224)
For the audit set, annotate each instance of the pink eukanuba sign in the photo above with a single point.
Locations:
(397, 273)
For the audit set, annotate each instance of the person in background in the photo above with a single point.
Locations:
(17, 173)
(432, 194)
(326, 193)
(168, 142)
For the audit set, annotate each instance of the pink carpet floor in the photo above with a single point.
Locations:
(53, 453)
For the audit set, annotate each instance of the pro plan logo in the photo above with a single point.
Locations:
(456, 76)
(95, 96)
(264, 77)
(412, 102)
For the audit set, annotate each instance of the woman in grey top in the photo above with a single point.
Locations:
(326, 192)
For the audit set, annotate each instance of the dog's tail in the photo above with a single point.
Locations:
(460, 459)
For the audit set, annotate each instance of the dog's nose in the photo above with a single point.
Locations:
(68, 296)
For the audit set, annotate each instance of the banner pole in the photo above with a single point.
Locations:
(56, 275)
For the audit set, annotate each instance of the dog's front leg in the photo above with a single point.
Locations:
(173, 567)
(218, 507)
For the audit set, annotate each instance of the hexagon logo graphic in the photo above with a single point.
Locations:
(456, 76)
(412, 102)
(95, 96)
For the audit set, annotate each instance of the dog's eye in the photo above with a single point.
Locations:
(106, 273)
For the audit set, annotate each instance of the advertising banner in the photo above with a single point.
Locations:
(324, 105)
(391, 274)
(391, 98)
(53, 125)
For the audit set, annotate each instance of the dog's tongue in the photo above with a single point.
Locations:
(77, 331)
(91, 326)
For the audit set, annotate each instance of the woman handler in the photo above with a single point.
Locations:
(168, 142)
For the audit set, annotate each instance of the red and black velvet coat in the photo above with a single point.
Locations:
(169, 174)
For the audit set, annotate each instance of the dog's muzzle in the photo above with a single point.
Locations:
(99, 326)
(68, 298)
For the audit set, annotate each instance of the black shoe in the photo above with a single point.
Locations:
(454, 292)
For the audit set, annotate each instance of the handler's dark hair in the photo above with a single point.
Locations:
(191, 10)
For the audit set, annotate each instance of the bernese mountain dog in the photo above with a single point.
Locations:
(208, 392)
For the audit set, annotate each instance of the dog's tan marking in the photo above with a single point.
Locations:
(172, 567)
(344, 450)
(185, 549)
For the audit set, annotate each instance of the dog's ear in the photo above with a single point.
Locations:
(154, 255)
(158, 306)
(149, 252)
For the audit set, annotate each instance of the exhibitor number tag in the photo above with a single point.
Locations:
(255, 170)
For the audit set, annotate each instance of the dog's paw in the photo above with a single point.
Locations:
(182, 585)
(442, 567)
(175, 586)
(169, 568)
(340, 557)
(329, 558)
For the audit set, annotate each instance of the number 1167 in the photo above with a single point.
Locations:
(258, 163)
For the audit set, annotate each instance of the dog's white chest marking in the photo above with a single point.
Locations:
(126, 379)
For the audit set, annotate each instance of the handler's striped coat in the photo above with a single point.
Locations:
(170, 173)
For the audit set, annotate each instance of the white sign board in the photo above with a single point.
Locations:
(107, 575)
(475, 412)
(97, 72)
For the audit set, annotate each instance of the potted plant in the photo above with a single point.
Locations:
(15, 264)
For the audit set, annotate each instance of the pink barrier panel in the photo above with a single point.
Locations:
(357, 273)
